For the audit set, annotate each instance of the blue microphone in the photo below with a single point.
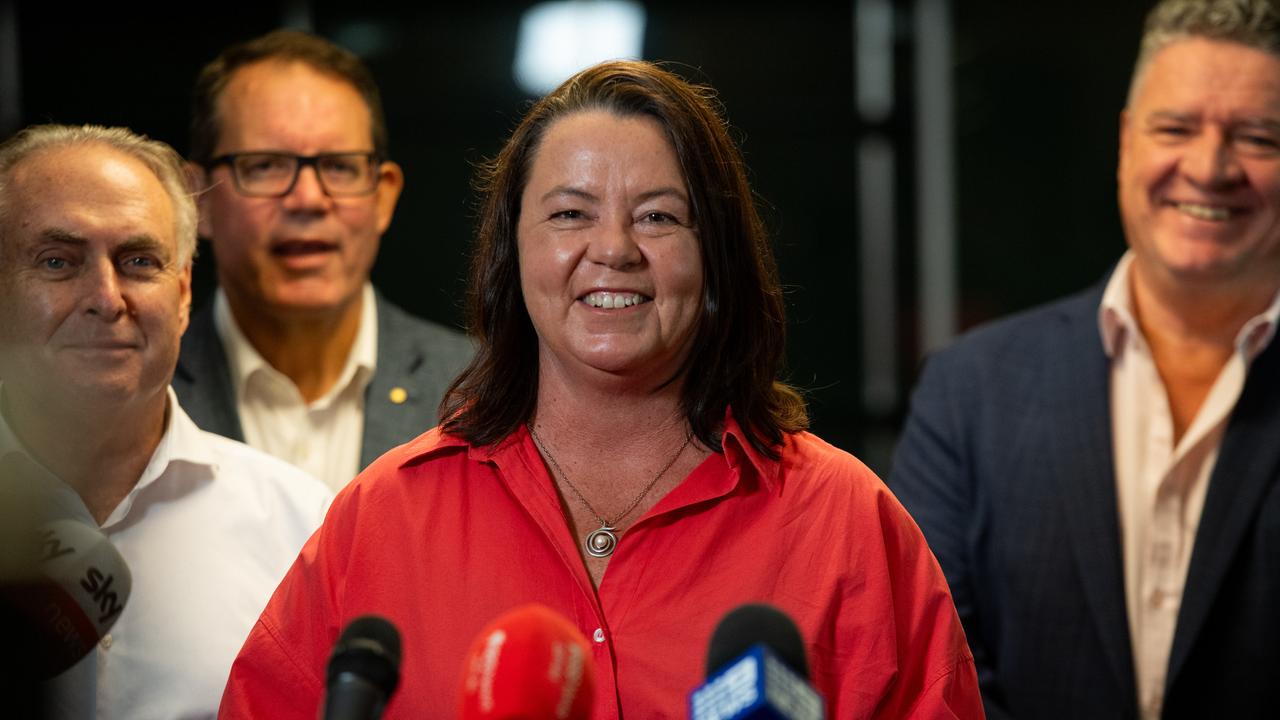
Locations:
(756, 669)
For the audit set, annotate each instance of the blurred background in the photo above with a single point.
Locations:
(924, 166)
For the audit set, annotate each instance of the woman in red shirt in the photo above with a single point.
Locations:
(620, 449)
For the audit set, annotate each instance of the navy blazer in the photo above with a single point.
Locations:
(1006, 465)
(418, 356)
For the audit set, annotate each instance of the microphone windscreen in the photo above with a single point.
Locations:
(530, 664)
(368, 648)
(74, 595)
(363, 671)
(755, 623)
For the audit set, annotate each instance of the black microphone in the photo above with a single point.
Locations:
(364, 670)
(756, 669)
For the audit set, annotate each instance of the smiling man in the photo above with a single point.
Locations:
(97, 233)
(297, 354)
(1100, 478)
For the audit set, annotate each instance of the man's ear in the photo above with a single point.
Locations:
(390, 183)
(185, 290)
(1124, 141)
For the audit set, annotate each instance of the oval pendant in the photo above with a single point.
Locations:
(600, 543)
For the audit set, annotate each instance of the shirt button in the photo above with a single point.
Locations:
(598, 635)
(106, 642)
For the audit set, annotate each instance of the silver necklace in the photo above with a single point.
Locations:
(602, 541)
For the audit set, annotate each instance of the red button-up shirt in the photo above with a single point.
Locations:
(441, 538)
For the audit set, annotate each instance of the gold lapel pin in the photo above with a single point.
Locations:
(398, 395)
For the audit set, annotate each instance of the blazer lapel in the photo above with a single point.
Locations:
(202, 379)
(1248, 463)
(396, 410)
(1082, 466)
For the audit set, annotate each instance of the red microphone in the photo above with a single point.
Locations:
(529, 664)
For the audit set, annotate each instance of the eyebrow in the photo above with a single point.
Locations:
(1259, 123)
(570, 191)
(132, 244)
(64, 237)
(1168, 115)
(559, 190)
(676, 193)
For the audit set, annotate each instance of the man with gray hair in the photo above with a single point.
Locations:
(1100, 478)
(97, 233)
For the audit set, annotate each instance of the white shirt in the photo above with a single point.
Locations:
(1160, 486)
(322, 437)
(208, 532)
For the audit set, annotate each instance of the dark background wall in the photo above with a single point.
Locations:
(1037, 90)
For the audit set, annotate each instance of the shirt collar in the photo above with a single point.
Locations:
(182, 442)
(1115, 314)
(1260, 331)
(244, 360)
(738, 451)
(1116, 318)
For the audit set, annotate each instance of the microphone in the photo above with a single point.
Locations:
(756, 669)
(69, 598)
(364, 670)
(531, 663)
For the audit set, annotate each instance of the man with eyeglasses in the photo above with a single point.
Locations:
(297, 354)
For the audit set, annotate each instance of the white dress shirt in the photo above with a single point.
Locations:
(323, 437)
(1161, 486)
(208, 532)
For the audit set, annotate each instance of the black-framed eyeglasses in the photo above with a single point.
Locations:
(273, 174)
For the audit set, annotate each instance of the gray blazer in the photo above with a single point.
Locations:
(1006, 464)
(419, 356)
